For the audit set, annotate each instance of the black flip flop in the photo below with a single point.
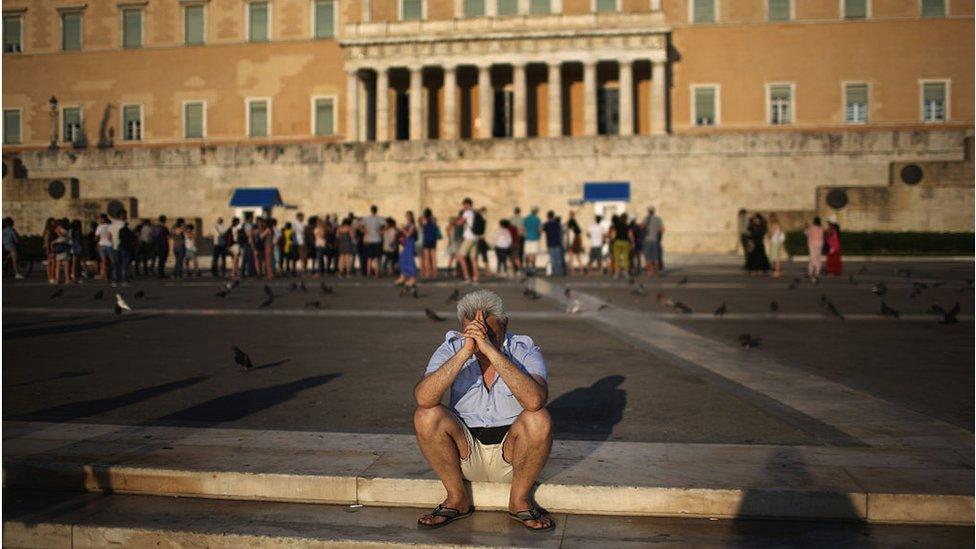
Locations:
(450, 514)
(535, 513)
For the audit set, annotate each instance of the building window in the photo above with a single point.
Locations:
(132, 28)
(71, 125)
(540, 7)
(606, 5)
(194, 120)
(13, 38)
(132, 122)
(779, 10)
(507, 7)
(194, 23)
(473, 8)
(70, 31)
(706, 105)
(413, 10)
(856, 103)
(780, 104)
(324, 116)
(935, 100)
(855, 9)
(703, 11)
(258, 117)
(504, 114)
(608, 111)
(324, 19)
(258, 22)
(11, 126)
(933, 8)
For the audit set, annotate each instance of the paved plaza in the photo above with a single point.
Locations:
(864, 405)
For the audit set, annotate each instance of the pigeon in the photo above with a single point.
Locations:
(121, 303)
(682, 307)
(235, 283)
(603, 305)
(667, 301)
(850, 279)
(639, 290)
(683, 281)
(888, 311)
(222, 293)
(241, 358)
(293, 287)
(951, 317)
(567, 292)
(455, 295)
(118, 310)
(748, 342)
(229, 286)
(773, 307)
(530, 293)
(573, 307)
(314, 304)
(99, 294)
(722, 309)
(830, 307)
(268, 302)
(434, 316)
(268, 292)
(936, 309)
(880, 289)
(327, 290)
(57, 293)
(301, 284)
(140, 294)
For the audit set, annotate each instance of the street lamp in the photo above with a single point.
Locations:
(54, 123)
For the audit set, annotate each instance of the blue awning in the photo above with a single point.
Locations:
(606, 191)
(261, 197)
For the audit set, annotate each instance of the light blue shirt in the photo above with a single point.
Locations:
(470, 400)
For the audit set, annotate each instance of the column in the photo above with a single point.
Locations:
(416, 105)
(382, 104)
(589, 98)
(352, 106)
(555, 108)
(520, 127)
(658, 107)
(626, 82)
(486, 99)
(450, 103)
(362, 99)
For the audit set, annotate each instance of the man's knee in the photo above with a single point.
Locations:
(536, 424)
(429, 420)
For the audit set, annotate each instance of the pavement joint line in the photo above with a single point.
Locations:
(872, 420)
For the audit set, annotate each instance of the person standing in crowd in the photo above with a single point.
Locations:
(533, 235)
(742, 222)
(245, 241)
(758, 263)
(598, 237)
(276, 237)
(503, 246)
(147, 248)
(78, 267)
(636, 258)
(347, 247)
(622, 238)
(554, 244)
(408, 256)
(575, 237)
(469, 242)
(390, 243)
(513, 255)
(61, 246)
(218, 259)
(479, 228)
(10, 242)
(288, 252)
(373, 239)
(455, 235)
(835, 266)
(115, 226)
(332, 243)
(161, 239)
(126, 245)
(430, 234)
(300, 242)
(653, 228)
(815, 244)
(518, 244)
(191, 250)
(104, 235)
(267, 248)
(234, 247)
(178, 247)
(46, 238)
(318, 239)
(777, 239)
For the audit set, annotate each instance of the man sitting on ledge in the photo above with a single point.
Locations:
(497, 428)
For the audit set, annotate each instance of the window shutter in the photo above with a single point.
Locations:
(11, 126)
(132, 28)
(324, 117)
(324, 18)
(705, 106)
(71, 31)
(704, 11)
(413, 9)
(933, 91)
(855, 9)
(539, 7)
(11, 34)
(259, 119)
(472, 8)
(606, 5)
(194, 24)
(933, 8)
(258, 31)
(857, 93)
(193, 112)
(779, 92)
(507, 7)
(779, 10)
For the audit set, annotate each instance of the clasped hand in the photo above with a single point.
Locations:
(476, 335)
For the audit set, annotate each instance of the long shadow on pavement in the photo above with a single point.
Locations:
(42, 331)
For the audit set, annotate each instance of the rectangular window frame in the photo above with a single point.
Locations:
(549, 8)
(769, 103)
(423, 10)
(20, 38)
(335, 20)
(595, 4)
(142, 26)
(867, 11)
(717, 12)
(792, 16)
(203, 122)
(470, 14)
(945, 12)
(203, 6)
(81, 27)
(335, 115)
(247, 21)
(142, 125)
(20, 125)
(81, 121)
(946, 109)
(498, 10)
(694, 104)
(247, 117)
(843, 91)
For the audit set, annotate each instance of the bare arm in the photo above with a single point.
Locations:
(531, 391)
(429, 390)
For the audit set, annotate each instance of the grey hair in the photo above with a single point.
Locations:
(484, 300)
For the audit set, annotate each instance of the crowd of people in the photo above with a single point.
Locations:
(763, 243)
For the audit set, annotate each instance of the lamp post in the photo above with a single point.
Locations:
(54, 123)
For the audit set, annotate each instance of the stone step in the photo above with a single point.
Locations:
(925, 486)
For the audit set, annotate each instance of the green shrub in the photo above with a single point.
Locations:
(891, 243)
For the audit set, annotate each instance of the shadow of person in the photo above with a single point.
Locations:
(589, 413)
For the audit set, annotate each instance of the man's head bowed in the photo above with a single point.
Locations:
(481, 300)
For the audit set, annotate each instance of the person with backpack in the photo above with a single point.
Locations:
(218, 260)
(469, 241)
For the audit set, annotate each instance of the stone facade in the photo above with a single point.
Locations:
(697, 182)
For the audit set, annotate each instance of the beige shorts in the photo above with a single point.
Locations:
(485, 462)
(532, 247)
(466, 247)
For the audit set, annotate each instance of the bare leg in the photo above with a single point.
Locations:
(443, 443)
(527, 449)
